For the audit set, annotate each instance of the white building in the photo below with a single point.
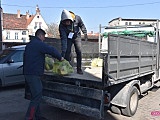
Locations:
(16, 28)
(36, 23)
(127, 22)
(121, 24)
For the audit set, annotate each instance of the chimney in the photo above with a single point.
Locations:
(18, 14)
(27, 15)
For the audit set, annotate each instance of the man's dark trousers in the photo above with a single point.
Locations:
(78, 49)
(35, 85)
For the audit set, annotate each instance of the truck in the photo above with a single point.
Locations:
(130, 68)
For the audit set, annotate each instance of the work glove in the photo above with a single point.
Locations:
(62, 58)
(85, 37)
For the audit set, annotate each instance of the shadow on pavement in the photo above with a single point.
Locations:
(14, 87)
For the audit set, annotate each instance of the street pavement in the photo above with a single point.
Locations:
(13, 107)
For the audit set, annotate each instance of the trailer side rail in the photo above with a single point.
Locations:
(129, 58)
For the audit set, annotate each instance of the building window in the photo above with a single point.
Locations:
(37, 16)
(140, 23)
(40, 24)
(8, 36)
(23, 38)
(16, 36)
(23, 32)
(130, 23)
(126, 23)
(143, 22)
(35, 27)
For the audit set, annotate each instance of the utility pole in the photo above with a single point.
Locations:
(0, 26)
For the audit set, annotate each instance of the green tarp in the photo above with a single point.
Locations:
(131, 33)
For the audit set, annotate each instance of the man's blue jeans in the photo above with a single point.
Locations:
(35, 85)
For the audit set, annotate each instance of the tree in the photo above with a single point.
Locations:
(53, 30)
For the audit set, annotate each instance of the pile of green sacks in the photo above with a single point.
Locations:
(58, 67)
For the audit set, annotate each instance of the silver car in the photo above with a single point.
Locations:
(11, 69)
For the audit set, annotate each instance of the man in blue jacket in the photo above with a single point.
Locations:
(34, 61)
(70, 29)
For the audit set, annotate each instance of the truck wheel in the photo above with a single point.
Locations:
(132, 103)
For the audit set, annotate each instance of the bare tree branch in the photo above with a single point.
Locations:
(53, 30)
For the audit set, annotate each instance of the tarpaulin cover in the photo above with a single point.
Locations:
(131, 33)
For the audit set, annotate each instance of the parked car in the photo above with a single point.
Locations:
(11, 69)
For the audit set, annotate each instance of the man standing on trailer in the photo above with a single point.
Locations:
(70, 32)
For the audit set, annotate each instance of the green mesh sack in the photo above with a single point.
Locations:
(97, 62)
(49, 62)
(62, 68)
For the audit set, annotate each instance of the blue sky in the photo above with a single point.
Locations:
(92, 12)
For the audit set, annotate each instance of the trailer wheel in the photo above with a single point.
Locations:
(132, 103)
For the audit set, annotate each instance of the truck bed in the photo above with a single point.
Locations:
(89, 73)
(75, 92)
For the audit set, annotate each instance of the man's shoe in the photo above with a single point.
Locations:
(79, 71)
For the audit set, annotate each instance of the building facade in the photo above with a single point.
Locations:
(137, 27)
(16, 28)
(123, 22)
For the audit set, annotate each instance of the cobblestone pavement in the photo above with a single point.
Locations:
(13, 107)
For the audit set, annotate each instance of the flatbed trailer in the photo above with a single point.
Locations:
(130, 68)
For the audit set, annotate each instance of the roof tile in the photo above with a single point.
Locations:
(11, 21)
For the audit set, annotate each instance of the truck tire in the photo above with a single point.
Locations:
(132, 103)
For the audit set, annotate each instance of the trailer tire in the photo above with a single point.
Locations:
(132, 103)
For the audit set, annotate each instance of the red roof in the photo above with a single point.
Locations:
(30, 19)
(11, 21)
